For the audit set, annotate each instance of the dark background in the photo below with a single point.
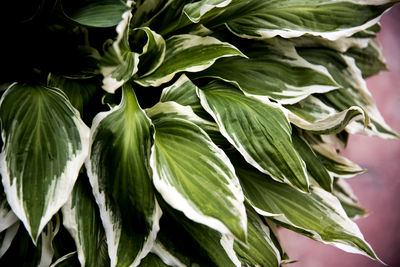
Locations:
(379, 189)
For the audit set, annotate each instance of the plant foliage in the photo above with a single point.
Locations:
(183, 133)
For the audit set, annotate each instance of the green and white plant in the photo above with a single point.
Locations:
(183, 133)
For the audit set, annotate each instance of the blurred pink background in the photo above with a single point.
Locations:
(378, 190)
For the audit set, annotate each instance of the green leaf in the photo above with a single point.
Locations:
(318, 215)
(258, 129)
(353, 91)
(23, 252)
(260, 249)
(152, 260)
(82, 219)
(315, 167)
(337, 165)
(350, 204)
(153, 52)
(196, 244)
(289, 18)
(79, 91)
(7, 216)
(119, 63)
(95, 13)
(201, 9)
(183, 92)
(189, 53)
(194, 176)
(7, 236)
(273, 70)
(172, 109)
(144, 10)
(45, 145)
(68, 260)
(313, 115)
(369, 59)
(120, 149)
(180, 99)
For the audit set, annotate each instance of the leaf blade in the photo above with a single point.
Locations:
(263, 138)
(176, 162)
(40, 155)
(131, 223)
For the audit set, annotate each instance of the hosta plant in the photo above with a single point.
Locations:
(181, 132)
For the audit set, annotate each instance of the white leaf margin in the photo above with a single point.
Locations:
(177, 201)
(109, 219)
(68, 177)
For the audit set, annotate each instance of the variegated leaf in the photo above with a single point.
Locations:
(315, 167)
(7, 216)
(204, 9)
(313, 115)
(79, 91)
(95, 13)
(68, 260)
(350, 204)
(196, 244)
(278, 77)
(119, 63)
(353, 91)
(152, 260)
(258, 129)
(167, 17)
(7, 236)
(260, 249)
(288, 18)
(358, 40)
(144, 10)
(153, 52)
(183, 92)
(82, 219)
(370, 59)
(194, 176)
(318, 215)
(120, 149)
(45, 145)
(23, 252)
(174, 110)
(190, 53)
(337, 165)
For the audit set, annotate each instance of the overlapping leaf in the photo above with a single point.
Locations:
(9, 223)
(196, 244)
(369, 59)
(337, 165)
(119, 63)
(273, 70)
(348, 200)
(95, 13)
(258, 129)
(45, 145)
(260, 249)
(289, 18)
(354, 91)
(318, 215)
(79, 92)
(152, 260)
(153, 52)
(194, 176)
(315, 167)
(189, 53)
(313, 115)
(82, 220)
(120, 148)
